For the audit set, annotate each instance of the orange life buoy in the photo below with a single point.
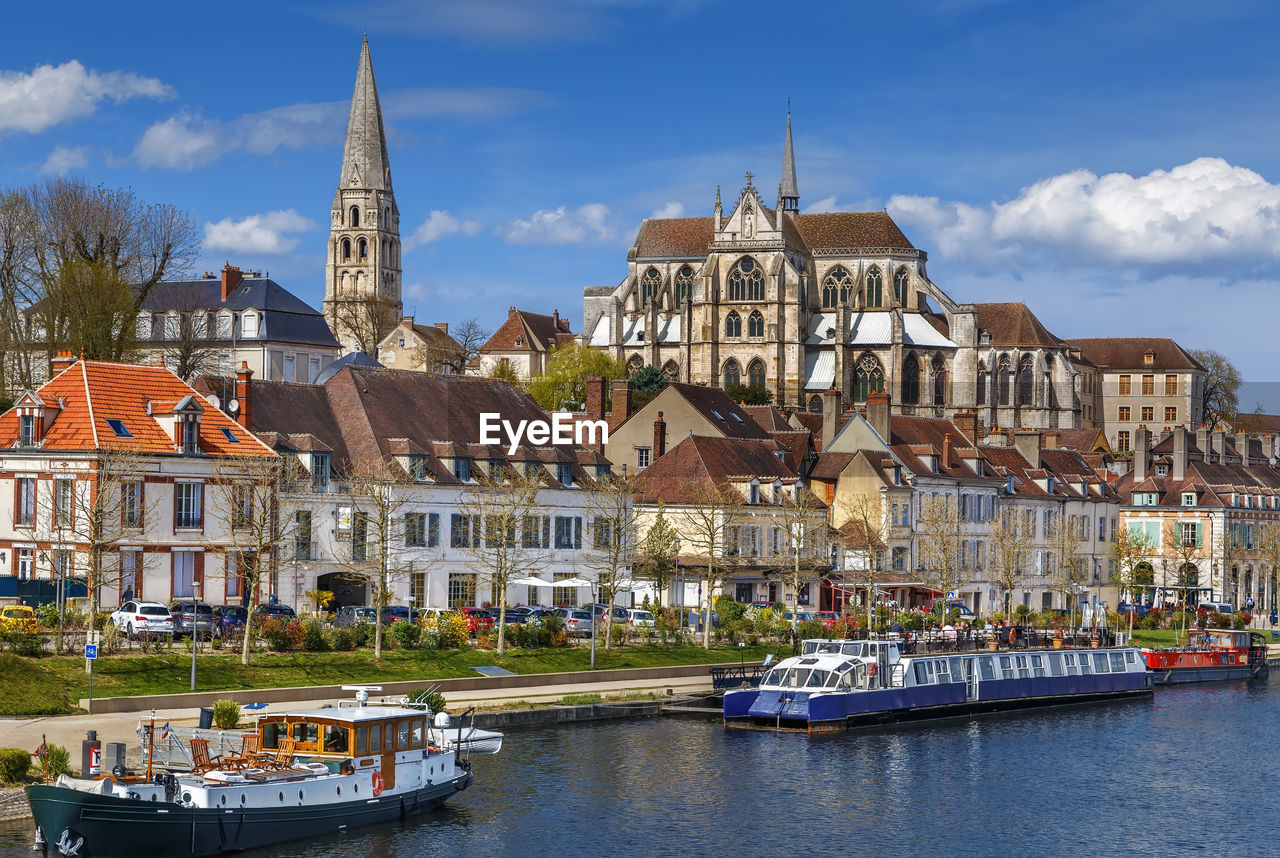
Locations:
(1013, 636)
(871, 669)
(377, 783)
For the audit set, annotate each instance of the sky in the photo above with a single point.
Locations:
(1113, 165)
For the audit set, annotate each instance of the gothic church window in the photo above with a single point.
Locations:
(732, 373)
(755, 373)
(635, 364)
(649, 285)
(900, 287)
(815, 404)
(672, 370)
(346, 249)
(733, 325)
(355, 216)
(1003, 378)
(939, 381)
(684, 286)
(982, 383)
(868, 377)
(363, 248)
(746, 281)
(910, 380)
(875, 288)
(755, 324)
(1026, 381)
(836, 286)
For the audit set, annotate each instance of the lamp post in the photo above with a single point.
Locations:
(195, 629)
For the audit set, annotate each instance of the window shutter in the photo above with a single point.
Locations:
(577, 532)
(1199, 535)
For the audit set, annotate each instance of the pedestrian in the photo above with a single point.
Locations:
(128, 597)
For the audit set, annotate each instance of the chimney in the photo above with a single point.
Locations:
(595, 398)
(830, 414)
(442, 326)
(230, 280)
(1179, 454)
(1218, 440)
(621, 399)
(1242, 447)
(63, 360)
(1050, 440)
(966, 420)
(878, 414)
(243, 394)
(659, 437)
(555, 320)
(946, 450)
(1202, 441)
(407, 321)
(1028, 443)
(1141, 453)
(511, 312)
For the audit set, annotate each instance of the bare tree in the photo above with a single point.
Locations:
(940, 547)
(706, 519)
(658, 552)
(363, 321)
(472, 336)
(19, 289)
(378, 488)
(1010, 545)
(611, 507)
(505, 536)
(863, 536)
(1129, 553)
(191, 352)
(1179, 561)
(1221, 388)
(802, 518)
(1066, 566)
(256, 517)
(1268, 542)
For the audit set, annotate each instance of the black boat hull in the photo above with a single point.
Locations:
(103, 826)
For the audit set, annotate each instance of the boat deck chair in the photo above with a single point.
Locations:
(200, 762)
(246, 757)
(281, 758)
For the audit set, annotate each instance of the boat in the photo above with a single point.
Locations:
(834, 685)
(1208, 656)
(314, 772)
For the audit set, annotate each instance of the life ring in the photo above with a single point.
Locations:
(377, 783)
(1013, 636)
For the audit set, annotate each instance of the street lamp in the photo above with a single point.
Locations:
(195, 629)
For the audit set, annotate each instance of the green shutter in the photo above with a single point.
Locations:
(1199, 535)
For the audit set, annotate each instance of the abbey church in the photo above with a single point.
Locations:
(803, 303)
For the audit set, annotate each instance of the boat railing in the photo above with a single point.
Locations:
(1006, 638)
(172, 748)
(736, 677)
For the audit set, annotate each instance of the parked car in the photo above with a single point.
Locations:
(478, 620)
(350, 615)
(395, 614)
(1220, 607)
(277, 612)
(525, 613)
(827, 618)
(1138, 611)
(620, 614)
(229, 618)
(695, 618)
(965, 612)
(135, 617)
(640, 619)
(17, 618)
(188, 615)
(576, 621)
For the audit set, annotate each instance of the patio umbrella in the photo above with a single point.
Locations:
(533, 581)
(574, 582)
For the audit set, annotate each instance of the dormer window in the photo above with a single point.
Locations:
(462, 469)
(754, 494)
(1162, 470)
(249, 326)
(564, 473)
(27, 430)
(1149, 358)
(320, 471)
(418, 468)
(1010, 485)
(190, 431)
(1188, 498)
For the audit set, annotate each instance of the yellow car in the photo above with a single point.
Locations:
(17, 618)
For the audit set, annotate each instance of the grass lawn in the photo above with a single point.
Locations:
(1170, 637)
(53, 685)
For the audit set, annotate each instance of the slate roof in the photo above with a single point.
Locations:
(733, 420)
(691, 237)
(1128, 353)
(93, 392)
(700, 464)
(284, 317)
(1013, 324)
(769, 418)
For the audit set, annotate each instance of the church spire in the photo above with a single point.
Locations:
(788, 194)
(364, 157)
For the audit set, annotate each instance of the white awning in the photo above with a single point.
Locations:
(819, 370)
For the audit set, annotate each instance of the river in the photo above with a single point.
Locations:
(1195, 770)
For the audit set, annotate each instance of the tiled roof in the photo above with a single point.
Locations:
(722, 412)
(769, 418)
(1130, 352)
(525, 331)
(1013, 324)
(93, 392)
(699, 464)
(691, 237)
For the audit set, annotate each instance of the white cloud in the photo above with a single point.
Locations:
(64, 159)
(181, 142)
(439, 224)
(259, 233)
(831, 204)
(473, 102)
(187, 140)
(669, 210)
(50, 95)
(589, 223)
(1200, 212)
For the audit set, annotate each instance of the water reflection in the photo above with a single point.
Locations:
(1186, 772)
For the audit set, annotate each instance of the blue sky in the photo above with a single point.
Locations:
(1111, 164)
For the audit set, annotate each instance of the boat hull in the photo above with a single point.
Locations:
(1183, 675)
(103, 826)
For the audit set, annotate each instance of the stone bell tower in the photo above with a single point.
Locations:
(362, 275)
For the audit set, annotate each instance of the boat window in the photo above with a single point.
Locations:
(816, 679)
(304, 733)
(1084, 665)
(773, 677)
(271, 733)
(1070, 659)
(957, 670)
(922, 674)
(846, 680)
(1100, 662)
(1037, 665)
(986, 666)
(832, 679)
(808, 647)
(1130, 656)
(335, 739)
(417, 732)
(375, 738)
(362, 741)
(1055, 664)
(942, 671)
(1117, 662)
(851, 649)
(402, 735)
(1006, 667)
(1023, 672)
(389, 736)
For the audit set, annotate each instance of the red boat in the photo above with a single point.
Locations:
(1208, 656)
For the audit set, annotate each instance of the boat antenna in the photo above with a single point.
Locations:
(362, 692)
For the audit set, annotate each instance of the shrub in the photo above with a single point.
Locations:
(810, 629)
(22, 643)
(15, 763)
(226, 714)
(281, 637)
(453, 631)
(729, 608)
(361, 634)
(406, 634)
(47, 615)
(431, 698)
(55, 761)
(313, 639)
(342, 639)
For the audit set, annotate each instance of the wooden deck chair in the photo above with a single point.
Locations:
(200, 762)
(282, 758)
(247, 756)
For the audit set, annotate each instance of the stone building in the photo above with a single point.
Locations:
(524, 342)
(425, 348)
(362, 272)
(800, 303)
